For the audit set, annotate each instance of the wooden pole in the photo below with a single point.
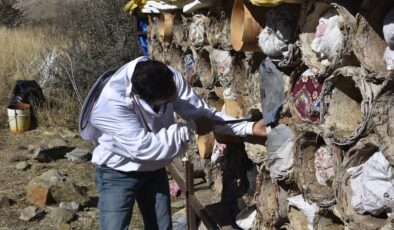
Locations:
(191, 215)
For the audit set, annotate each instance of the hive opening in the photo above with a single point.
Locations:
(344, 111)
(205, 72)
(356, 156)
(315, 166)
(326, 38)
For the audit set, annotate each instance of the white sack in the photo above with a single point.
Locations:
(388, 28)
(245, 218)
(281, 162)
(389, 58)
(372, 184)
(328, 37)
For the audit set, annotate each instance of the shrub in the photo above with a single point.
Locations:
(101, 37)
(9, 16)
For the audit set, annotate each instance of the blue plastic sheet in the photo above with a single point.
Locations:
(142, 28)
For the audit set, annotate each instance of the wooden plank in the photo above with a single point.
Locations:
(207, 206)
(178, 176)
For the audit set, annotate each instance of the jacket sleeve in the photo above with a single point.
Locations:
(128, 137)
(191, 106)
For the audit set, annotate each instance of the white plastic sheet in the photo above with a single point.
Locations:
(307, 209)
(245, 218)
(389, 58)
(328, 37)
(189, 6)
(372, 184)
(388, 28)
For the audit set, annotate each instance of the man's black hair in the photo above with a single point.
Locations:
(153, 81)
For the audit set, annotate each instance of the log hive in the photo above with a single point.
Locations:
(351, 118)
(305, 152)
(368, 43)
(357, 155)
(344, 53)
(346, 98)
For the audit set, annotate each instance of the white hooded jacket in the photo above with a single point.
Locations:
(130, 136)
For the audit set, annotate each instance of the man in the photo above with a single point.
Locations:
(132, 124)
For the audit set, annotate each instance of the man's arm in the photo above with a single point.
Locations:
(130, 138)
(190, 106)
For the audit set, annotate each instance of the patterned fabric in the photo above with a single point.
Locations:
(324, 165)
(189, 67)
(306, 97)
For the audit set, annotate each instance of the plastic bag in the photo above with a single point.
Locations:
(277, 33)
(274, 2)
(388, 28)
(280, 142)
(197, 4)
(29, 92)
(372, 185)
(245, 218)
(309, 210)
(389, 58)
(328, 37)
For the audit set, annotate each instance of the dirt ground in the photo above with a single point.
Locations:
(13, 182)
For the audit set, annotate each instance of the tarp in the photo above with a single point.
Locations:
(271, 90)
(142, 27)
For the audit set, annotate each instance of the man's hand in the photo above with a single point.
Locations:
(204, 125)
(259, 129)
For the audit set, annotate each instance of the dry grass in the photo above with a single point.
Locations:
(22, 51)
(18, 48)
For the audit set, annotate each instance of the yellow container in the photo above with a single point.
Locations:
(19, 117)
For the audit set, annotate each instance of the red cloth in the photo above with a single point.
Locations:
(306, 97)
